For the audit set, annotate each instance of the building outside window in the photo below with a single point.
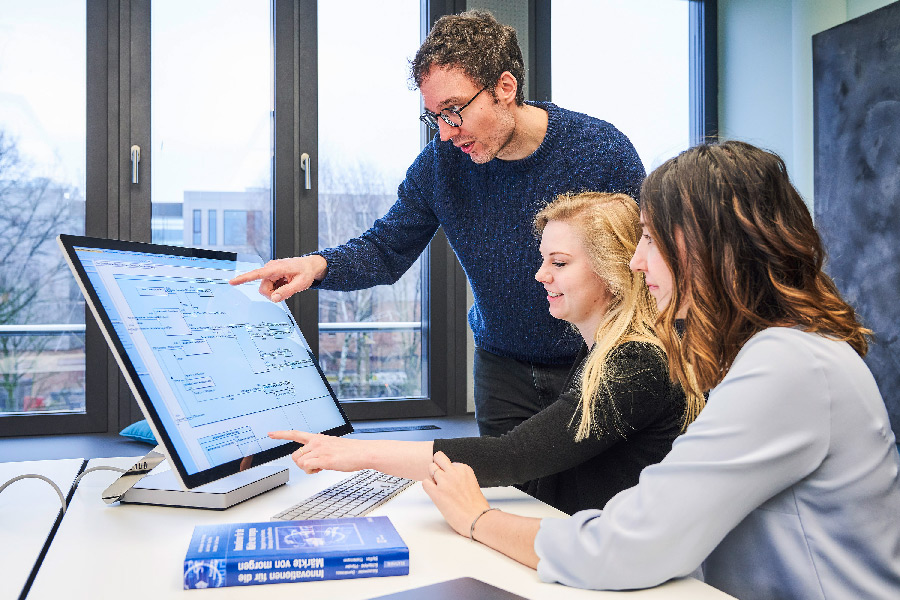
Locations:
(197, 227)
(212, 227)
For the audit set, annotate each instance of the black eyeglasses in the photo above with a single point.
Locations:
(450, 116)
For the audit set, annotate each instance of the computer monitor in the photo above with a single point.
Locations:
(213, 367)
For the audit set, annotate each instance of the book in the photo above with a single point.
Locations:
(240, 554)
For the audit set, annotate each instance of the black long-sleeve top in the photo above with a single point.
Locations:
(572, 475)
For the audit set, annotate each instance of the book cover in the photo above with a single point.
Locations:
(238, 554)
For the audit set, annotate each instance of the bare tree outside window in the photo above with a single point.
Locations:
(376, 362)
(40, 370)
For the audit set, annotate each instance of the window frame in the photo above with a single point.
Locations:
(704, 71)
(118, 116)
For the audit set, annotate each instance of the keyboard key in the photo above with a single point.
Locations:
(355, 496)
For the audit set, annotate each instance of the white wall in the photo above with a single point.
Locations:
(856, 8)
(755, 73)
(765, 74)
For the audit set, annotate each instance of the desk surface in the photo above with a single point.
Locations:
(29, 509)
(137, 551)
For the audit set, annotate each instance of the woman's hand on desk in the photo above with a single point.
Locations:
(454, 490)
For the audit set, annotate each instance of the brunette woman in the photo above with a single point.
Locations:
(787, 485)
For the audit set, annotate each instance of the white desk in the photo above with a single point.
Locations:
(133, 551)
(29, 509)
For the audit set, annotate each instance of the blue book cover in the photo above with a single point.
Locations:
(235, 554)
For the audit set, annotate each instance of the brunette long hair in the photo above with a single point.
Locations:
(744, 256)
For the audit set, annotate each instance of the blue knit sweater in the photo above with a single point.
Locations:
(487, 212)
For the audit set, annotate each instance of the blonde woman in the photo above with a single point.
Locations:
(619, 410)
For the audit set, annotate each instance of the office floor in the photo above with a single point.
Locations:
(105, 445)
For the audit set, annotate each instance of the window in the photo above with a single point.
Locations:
(215, 142)
(392, 351)
(211, 119)
(243, 231)
(241, 91)
(167, 224)
(42, 194)
(663, 95)
(641, 88)
(370, 341)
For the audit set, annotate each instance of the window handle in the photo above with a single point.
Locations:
(304, 164)
(135, 159)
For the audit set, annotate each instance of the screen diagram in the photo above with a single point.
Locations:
(228, 365)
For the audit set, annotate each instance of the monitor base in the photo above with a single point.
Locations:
(163, 489)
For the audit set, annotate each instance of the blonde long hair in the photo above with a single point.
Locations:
(608, 226)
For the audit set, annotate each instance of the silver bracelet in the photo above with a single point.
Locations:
(472, 528)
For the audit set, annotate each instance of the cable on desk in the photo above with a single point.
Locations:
(99, 468)
(62, 498)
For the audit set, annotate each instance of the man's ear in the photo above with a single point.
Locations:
(505, 90)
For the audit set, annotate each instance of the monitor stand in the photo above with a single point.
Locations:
(135, 486)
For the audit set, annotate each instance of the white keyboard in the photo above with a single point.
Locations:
(354, 496)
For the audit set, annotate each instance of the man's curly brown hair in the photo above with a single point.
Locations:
(475, 42)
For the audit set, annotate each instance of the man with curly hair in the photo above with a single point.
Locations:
(495, 162)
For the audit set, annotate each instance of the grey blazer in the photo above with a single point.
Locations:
(786, 486)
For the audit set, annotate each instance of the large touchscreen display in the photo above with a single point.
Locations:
(217, 366)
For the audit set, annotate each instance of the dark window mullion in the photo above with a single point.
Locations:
(296, 132)
(704, 78)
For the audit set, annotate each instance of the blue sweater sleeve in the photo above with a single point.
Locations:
(381, 255)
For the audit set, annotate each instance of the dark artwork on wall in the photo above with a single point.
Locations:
(856, 79)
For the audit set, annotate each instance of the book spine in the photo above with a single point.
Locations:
(212, 572)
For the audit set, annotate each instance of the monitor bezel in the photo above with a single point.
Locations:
(68, 243)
